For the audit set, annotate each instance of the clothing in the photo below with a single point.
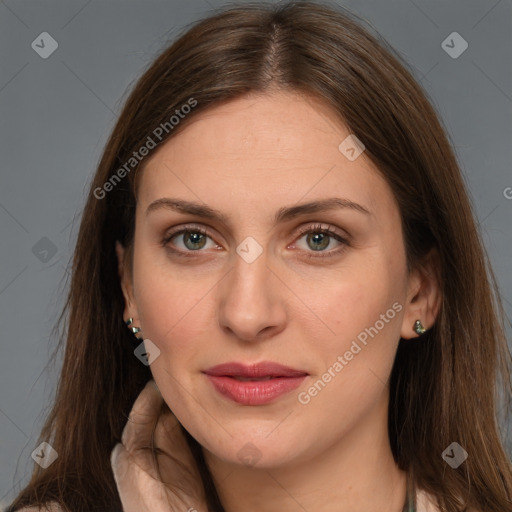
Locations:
(424, 503)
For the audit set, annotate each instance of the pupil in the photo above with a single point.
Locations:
(320, 241)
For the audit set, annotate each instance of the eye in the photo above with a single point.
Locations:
(188, 239)
(318, 239)
(315, 241)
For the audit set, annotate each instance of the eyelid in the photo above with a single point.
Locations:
(318, 227)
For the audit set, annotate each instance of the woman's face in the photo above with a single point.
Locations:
(254, 279)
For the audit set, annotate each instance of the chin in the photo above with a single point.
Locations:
(254, 451)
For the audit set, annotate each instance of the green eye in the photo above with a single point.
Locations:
(314, 241)
(318, 241)
(194, 240)
(188, 240)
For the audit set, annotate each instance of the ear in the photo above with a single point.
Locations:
(125, 278)
(423, 295)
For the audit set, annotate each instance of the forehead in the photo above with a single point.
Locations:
(280, 147)
(264, 125)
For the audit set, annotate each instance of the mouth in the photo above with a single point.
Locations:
(251, 379)
(254, 384)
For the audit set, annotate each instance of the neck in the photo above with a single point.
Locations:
(358, 473)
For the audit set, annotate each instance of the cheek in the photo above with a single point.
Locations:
(363, 310)
(175, 315)
(174, 308)
(361, 298)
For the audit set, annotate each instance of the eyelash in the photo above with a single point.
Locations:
(302, 231)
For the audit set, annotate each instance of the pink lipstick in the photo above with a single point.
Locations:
(254, 384)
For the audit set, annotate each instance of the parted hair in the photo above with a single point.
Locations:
(448, 387)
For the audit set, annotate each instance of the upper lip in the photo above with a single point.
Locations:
(254, 370)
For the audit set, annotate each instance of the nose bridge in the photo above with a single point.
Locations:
(249, 280)
(250, 301)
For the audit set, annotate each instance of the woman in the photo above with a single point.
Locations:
(279, 236)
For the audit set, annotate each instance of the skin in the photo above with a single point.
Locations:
(248, 159)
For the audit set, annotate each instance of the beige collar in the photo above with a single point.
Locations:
(425, 502)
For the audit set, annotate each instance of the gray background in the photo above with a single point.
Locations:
(56, 114)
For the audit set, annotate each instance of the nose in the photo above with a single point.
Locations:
(251, 306)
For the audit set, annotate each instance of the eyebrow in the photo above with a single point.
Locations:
(282, 215)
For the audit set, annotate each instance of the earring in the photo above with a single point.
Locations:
(135, 330)
(418, 327)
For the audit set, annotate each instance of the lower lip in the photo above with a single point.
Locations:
(255, 392)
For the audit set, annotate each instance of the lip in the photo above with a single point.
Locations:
(274, 380)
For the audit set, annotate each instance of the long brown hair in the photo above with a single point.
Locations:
(442, 390)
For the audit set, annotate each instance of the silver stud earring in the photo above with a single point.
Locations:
(418, 327)
(135, 330)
